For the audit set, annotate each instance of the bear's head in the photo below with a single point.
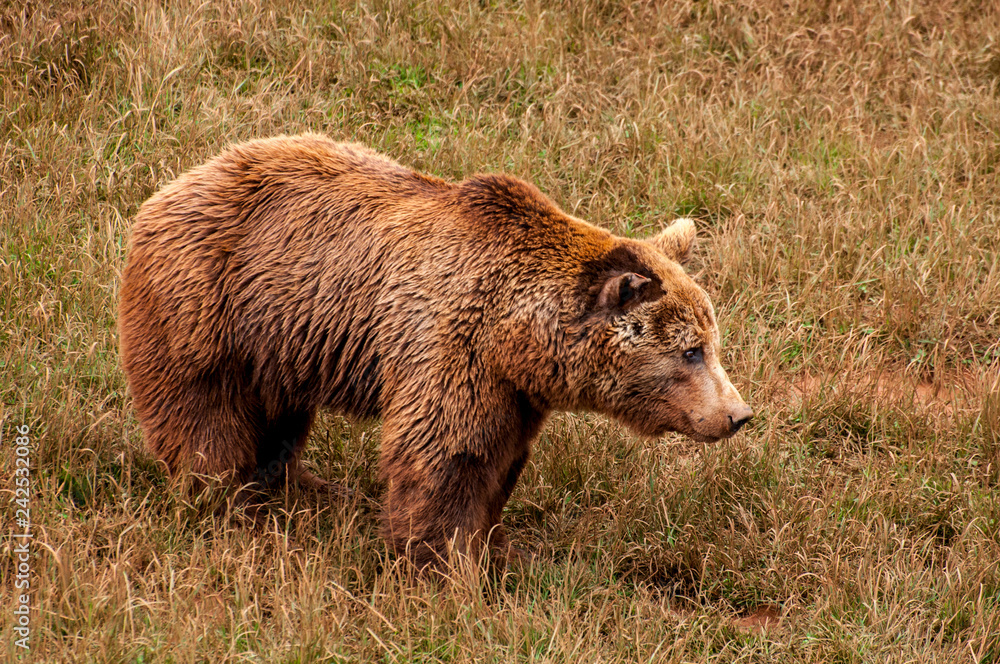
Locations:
(651, 355)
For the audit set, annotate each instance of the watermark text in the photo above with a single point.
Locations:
(21, 537)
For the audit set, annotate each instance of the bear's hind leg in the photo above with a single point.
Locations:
(280, 447)
(279, 456)
(310, 481)
(201, 434)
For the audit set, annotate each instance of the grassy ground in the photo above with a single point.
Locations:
(842, 162)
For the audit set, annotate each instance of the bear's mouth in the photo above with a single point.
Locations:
(690, 433)
(702, 438)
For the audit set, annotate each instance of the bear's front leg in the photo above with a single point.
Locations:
(440, 506)
(452, 451)
(447, 495)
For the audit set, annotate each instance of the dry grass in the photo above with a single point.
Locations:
(842, 160)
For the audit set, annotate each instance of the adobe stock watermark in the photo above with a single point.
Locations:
(21, 536)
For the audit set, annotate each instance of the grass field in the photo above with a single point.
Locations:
(841, 160)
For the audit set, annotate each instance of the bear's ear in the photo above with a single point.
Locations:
(677, 240)
(623, 290)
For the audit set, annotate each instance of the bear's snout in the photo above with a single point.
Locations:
(723, 411)
(738, 419)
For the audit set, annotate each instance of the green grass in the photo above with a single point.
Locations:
(842, 162)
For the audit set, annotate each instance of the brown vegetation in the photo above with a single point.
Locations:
(841, 161)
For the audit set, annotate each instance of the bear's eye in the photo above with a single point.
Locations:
(694, 355)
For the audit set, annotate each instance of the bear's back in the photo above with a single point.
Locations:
(318, 265)
(268, 260)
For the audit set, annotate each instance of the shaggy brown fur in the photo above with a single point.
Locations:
(293, 273)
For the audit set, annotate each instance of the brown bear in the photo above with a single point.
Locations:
(296, 272)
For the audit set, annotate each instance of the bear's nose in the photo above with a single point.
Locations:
(737, 421)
